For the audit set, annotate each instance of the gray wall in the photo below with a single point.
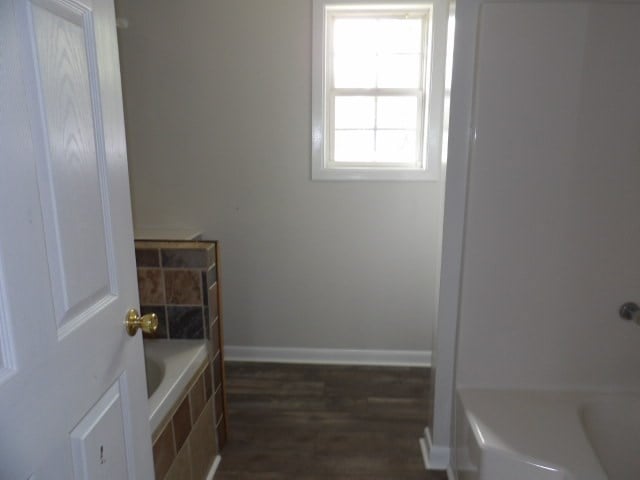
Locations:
(217, 101)
(551, 244)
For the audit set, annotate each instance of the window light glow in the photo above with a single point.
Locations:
(377, 87)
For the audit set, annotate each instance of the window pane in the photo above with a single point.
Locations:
(378, 50)
(355, 112)
(397, 112)
(354, 35)
(353, 146)
(396, 146)
(354, 71)
(397, 35)
(399, 71)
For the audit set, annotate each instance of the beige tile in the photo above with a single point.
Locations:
(212, 276)
(219, 405)
(182, 423)
(215, 337)
(213, 301)
(183, 287)
(217, 372)
(150, 286)
(203, 443)
(211, 255)
(181, 468)
(197, 398)
(208, 383)
(221, 430)
(163, 452)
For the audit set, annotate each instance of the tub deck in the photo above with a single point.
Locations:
(179, 360)
(524, 435)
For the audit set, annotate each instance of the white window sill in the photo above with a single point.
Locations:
(348, 174)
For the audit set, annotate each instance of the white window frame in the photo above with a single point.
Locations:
(433, 95)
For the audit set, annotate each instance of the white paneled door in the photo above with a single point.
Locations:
(72, 388)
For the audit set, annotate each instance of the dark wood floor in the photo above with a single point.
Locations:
(312, 422)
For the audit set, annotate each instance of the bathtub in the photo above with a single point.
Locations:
(547, 435)
(170, 364)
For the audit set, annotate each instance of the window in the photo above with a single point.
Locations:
(378, 88)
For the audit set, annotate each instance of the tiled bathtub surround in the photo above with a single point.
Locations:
(179, 281)
(185, 445)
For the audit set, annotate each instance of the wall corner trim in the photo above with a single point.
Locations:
(436, 457)
(335, 356)
(214, 467)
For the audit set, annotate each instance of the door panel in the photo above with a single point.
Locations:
(72, 388)
(97, 451)
(71, 166)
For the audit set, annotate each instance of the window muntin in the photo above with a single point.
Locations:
(376, 106)
(375, 88)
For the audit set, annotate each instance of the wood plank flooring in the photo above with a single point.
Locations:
(312, 422)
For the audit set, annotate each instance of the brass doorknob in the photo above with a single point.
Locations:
(133, 321)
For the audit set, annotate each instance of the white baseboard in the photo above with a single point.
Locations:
(435, 457)
(214, 467)
(451, 474)
(335, 356)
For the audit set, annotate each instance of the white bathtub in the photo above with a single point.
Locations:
(535, 435)
(170, 364)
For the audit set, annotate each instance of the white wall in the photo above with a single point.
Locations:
(552, 233)
(217, 100)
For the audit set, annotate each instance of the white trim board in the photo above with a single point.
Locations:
(451, 474)
(435, 457)
(214, 467)
(335, 356)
